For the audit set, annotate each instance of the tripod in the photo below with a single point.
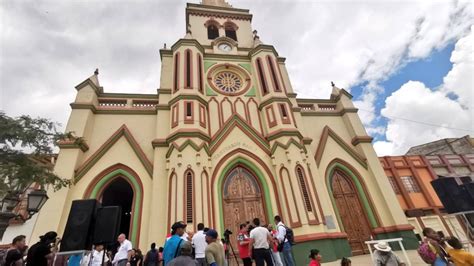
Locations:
(228, 243)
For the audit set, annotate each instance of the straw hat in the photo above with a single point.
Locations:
(382, 246)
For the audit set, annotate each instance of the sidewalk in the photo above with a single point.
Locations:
(365, 259)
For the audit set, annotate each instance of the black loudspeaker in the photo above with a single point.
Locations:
(79, 227)
(469, 188)
(107, 224)
(454, 197)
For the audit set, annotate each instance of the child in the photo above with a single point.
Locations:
(315, 258)
(346, 262)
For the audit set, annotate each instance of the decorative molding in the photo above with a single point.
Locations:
(263, 47)
(277, 144)
(290, 132)
(328, 132)
(187, 42)
(319, 236)
(330, 113)
(164, 91)
(187, 143)
(216, 14)
(76, 143)
(361, 139)
(237, 121)
(113, 111)
(89, 82)
(272, 100)
(188, 97)
(131, 95)
(123, 131)
(393, 228)
(187, 133)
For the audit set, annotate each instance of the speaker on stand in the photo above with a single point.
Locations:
(80, 225)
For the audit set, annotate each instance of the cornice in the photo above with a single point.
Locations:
(188, 142)
(277, 144)
(329, 113)
(73, 144)
(272, 100)
(284, 133)
(98, 110)
(162, 107)
(193, 42)
(361, 139)
(129, 95)
(227, 57)
(165, 53)
(164, 91)
(220, 13)
(291, 95)
(187, 133)
(188, 97)
(88, 82)
(281, 60)
(263, 47)
(201, 6)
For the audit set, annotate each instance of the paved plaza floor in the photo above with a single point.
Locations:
(366, 260)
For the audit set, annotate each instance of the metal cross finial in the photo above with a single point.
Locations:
(332, 84)
(96, 72)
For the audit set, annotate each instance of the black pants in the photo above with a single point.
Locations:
(261, 255)
(247, 261)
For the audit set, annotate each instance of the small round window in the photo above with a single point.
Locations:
(228, 82)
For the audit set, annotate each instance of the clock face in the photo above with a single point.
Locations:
(224, 47)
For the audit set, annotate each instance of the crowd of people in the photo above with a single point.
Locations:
(256, 243)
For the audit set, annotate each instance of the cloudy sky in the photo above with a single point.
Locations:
(409, 64)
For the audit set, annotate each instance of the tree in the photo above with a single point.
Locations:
(24, 144)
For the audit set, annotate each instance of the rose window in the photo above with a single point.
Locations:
(228, 82)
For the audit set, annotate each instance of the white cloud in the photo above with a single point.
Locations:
(453, 116)
(48, 47)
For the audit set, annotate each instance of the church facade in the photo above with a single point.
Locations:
(224, 140)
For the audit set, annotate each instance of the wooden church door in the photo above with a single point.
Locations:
(243, 201)
(351, 212)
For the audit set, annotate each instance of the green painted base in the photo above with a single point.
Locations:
(409, 239)
(330, 250)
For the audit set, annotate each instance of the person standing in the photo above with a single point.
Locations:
(457, 254)
(40, 253)
(243, 244)
(260, 239)
(14, 255)
(276, 255)
(281, 236)
(173, 244)
(315, 258)
(185, 257)
(124, 251)
(200, 244)
(214, 250)
(96, 256)
(383, 255)
(152, 257)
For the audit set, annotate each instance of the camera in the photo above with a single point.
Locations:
(227, 233)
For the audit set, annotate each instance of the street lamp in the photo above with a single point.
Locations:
(36, 200)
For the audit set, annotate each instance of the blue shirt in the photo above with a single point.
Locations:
(171, 250)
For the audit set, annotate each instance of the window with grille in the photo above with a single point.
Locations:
(231, 33)
(189, 197)
(410, 184)
(274, 76)
(212, 32)
(261, 75)
(176, 72)
(304, 188)
(394, 185)
(188, 68)
(189, 109)
(200, 85)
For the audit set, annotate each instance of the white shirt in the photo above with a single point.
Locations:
(96, 259)
(260, 237)
(281, 232)
(122, 253)
(199, 244)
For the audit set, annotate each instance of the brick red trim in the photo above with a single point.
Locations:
(188, 119)
(200, 74)
(261, 77)
(193, 200)
(297, 222)
(273, 74)
(175, 115)
(316, 195)
(401, 187)
(284, 120)
(393, 228)
(176, 72)
(282, 79)
(310, 195)
(185, 69)
(271, 118)
(202, 115)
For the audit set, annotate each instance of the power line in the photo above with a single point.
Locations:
(418, 122)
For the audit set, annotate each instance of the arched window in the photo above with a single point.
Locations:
(304, 188)
(212, 32)
(276, 84)
(200, 74)
(261, 75)
(231, 30)
(176, 73)
(188, 69)
(189, 196)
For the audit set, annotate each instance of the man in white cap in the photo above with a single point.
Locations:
(383, 255)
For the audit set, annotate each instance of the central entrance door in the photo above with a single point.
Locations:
(120, 193)
(351, 213)
(243, 201)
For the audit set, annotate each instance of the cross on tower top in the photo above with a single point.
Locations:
(216, 3)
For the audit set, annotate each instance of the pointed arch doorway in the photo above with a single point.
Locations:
(351, 212)
(242, 199)
(119, 193)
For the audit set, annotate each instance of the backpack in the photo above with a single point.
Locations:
(289, 235)
(426, 254)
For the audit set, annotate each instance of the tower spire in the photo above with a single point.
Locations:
(216, 3)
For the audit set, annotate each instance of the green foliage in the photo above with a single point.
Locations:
(26, 146)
